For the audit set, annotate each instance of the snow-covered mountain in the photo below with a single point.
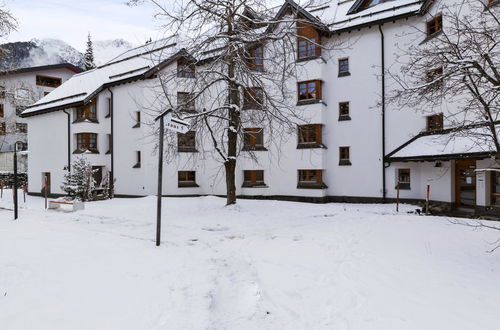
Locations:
(37, 52)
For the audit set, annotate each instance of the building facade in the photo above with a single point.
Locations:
(347, 150)
(18, 89)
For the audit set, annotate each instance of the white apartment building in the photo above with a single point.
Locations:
(353, 148)
(20, 88)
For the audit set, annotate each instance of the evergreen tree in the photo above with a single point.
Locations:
(89, 55)
(79, 183)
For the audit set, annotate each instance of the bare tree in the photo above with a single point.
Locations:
(242, 60)
(457, 65)
(7, 24)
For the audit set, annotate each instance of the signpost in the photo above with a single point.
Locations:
(172, 124)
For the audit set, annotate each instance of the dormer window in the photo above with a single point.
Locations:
(87, 112)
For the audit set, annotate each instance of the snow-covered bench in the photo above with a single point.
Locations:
(75, 205)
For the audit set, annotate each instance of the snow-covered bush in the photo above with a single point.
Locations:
(79, 183)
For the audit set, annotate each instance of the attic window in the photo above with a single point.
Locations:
(308, 41)
(185, 68)
(48, 81)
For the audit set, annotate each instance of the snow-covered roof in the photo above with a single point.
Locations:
(447, 144)
(81, 88)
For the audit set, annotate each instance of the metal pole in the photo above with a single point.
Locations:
(15, 182)
(160, 180)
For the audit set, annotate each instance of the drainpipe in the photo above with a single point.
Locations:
(69, 140)
(111, 149)
(382, 49)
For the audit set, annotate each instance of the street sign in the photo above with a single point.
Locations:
(176, 125)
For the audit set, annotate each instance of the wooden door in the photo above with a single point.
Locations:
(46, 183)
(465, 183)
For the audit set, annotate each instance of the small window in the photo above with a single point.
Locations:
(87, 112)
(21, 128)
(2, 92)
(110, 142)
(48, 81)
(403, 179)
(253, 139)
(109, 102)
(2, 114)
(137, 115)
(253, 178)
(186, 179)
(185, 102)
(308, 41)
(311, 179)
(344, 111)
(309, 90)
(256, 59)
(3, 129)
(310, 136)
(86, 142)
(435, 25)
(253, 98)
(137, 160)
(344, 67)
(186, 142)
(186, 68)
(344, 156)
(435, 122)
(495, 188)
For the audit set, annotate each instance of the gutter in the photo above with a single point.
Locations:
(111, 142)
(69, 140)
(382, 49)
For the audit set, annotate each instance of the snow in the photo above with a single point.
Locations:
(465, 141)
(255, 265)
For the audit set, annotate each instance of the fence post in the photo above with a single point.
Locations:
(397, 198)
(427, 198)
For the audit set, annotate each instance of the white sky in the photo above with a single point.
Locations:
(72, 20)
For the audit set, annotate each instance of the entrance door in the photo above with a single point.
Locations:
(465, 184)
(45, 183)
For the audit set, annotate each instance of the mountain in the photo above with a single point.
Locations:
(22, 54)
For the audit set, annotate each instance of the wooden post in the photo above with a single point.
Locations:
(427, 198)
(397, 198)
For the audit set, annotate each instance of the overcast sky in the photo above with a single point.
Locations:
(72, 20)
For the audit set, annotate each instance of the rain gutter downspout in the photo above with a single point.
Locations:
(69, 140)
(382, 49)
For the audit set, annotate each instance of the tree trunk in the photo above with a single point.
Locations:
(230, 166)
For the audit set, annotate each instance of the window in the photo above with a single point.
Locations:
(344, 111)
(109, 144)
(344, 156)
(253, 139)
(87, 112)
(2, 114)
(311, 179)
(253, 178)
(110, 105)
(186, 179)
(495, 188)
(307, 42)
(403, 179)
(186, 142)
(137, 116)
(435, 25)
(310, 136)
(86, 142)
(309, 91)
(3, 129)
(137, 160)
(2, 92)
(253, 98)
(185, 102)
(21, 128)
(344, 67)
(256, 59)
(435, 122)
(48, 81)
(371, 3)
(434, 75)
(185, 68)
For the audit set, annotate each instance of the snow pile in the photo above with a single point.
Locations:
(256, 265)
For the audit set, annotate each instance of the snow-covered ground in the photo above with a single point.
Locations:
(258, 265)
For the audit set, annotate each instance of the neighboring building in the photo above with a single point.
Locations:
(18, 89)
(339, 156)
